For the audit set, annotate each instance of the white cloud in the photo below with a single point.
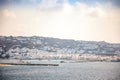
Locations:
(49, 5)
(5, 13)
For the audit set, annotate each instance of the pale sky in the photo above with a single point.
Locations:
(91, 20)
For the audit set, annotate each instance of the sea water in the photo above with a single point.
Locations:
(65, 71)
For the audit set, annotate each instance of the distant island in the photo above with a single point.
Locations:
(41, 48)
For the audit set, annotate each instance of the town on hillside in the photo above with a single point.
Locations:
(41, 48)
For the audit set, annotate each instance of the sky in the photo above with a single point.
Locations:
(90, 20)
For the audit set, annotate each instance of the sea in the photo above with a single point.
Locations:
(65, 71)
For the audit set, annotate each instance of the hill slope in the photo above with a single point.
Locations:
(20, 45)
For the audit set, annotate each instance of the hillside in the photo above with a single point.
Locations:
(24, 46)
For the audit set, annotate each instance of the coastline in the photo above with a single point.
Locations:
(5, 64)
(10, 64)
(43, 62)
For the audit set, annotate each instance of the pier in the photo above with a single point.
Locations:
(28, 64)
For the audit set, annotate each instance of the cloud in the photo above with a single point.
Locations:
(5, 13)
(65, 6)
(50, 5)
